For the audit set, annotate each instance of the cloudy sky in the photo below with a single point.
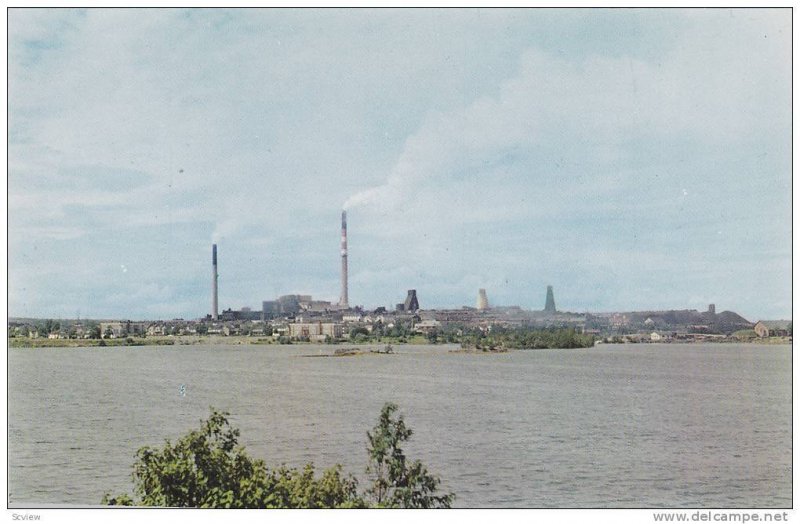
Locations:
(633, 159)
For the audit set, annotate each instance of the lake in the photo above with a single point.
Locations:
(700, 425)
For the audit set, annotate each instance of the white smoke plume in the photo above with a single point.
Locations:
(596, 106)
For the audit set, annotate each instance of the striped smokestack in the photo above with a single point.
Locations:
(343, 299)
(214, 306)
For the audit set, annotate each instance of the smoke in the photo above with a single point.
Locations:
(374, 196)
(449, 144)
(223, 228)
(586, 112)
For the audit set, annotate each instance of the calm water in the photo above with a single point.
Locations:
(612, 426)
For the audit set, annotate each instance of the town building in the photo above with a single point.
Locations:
(315, 331)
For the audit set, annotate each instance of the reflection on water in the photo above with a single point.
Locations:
(612, 426)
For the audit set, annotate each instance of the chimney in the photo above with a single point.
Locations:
(343, 302)
(214, 276)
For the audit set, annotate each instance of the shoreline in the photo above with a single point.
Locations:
(237, 340)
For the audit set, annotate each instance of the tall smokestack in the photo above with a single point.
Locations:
(343, 300)
(214, 306)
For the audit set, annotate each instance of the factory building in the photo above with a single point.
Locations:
(245, 313)
(315, 331)
(290, 305)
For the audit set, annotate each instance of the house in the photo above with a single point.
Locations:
(773, 328)
(112, 329)
(426, 326)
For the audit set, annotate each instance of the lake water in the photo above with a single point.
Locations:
(612, 426)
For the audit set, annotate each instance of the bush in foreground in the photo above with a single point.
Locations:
(208, 469)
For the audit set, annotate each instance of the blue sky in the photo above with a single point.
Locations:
(633, 159)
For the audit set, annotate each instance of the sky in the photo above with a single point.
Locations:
(634, 159)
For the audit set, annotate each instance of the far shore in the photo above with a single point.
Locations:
(236, 340)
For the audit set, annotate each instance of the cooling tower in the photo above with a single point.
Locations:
(483, 302)
(343, 302)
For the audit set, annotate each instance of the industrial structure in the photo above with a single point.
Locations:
(300, 317)
(214, 278)
(550, 302)
(316, 331)
(343, 301)
(411, 303)
(483, 302)
(291, 305)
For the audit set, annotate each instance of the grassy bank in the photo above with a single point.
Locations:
(24, 342)
(20, 342)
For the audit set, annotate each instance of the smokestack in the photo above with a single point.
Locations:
(214, 306)
(343, 300)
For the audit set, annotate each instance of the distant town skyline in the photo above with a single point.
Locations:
(634, 159)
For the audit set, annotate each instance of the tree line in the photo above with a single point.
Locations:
(526, 338)
(207, 468)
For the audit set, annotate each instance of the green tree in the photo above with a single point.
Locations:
(46, 328)
(398, 483)
(208, 469)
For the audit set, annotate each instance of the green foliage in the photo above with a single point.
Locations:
(525, 338)
(359, 335)
(208, 469)
(119, 500)
(358, 331)
(541, 339)
(396, 482)
(744, 334)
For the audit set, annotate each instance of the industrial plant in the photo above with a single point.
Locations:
(301, 317)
